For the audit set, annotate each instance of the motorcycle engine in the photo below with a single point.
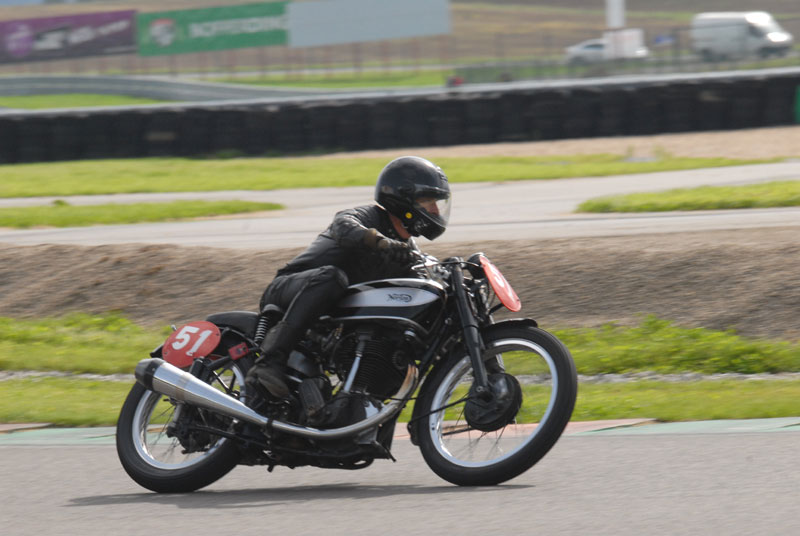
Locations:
(382, 366)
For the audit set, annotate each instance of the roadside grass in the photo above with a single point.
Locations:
(660, 346)
(62, 214)
(89, 177)
(80, 343)
(334, 80)
(80, 402)
(689, 401)
(62, 401)
(106, 344)
(768, 194)
(71, 100)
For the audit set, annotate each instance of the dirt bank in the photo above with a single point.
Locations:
(775, 142)
(747, 280)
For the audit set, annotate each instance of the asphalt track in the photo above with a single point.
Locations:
(481, 211)
(715, 477)
(729, 477)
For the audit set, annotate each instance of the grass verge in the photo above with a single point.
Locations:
(107, 344)
(191, 175)
(660, 346)
(81, 343)
(769, 194)
(72, 100)
(689, 401)
(77, 402)
(61, 214)
(366, 79)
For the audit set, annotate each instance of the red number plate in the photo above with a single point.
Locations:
(501, 286)
(192, 340)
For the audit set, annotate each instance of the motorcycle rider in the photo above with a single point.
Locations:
(361, 244)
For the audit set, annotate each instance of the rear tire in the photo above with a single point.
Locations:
(158, 462)
(462, 455)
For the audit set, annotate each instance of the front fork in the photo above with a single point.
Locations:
(472, 336)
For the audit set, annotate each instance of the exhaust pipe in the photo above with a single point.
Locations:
(157, 375)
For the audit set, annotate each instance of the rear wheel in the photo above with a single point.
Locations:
(178, 458)
(471, 443)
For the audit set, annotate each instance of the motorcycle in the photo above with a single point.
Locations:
(492, 399)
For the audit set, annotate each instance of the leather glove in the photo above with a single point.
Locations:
(394, 250)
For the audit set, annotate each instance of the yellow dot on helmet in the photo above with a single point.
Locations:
(408, 215)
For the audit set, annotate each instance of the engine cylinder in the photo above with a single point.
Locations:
(378, 373)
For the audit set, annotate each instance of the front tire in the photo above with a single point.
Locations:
(161, 463)
(463, 455)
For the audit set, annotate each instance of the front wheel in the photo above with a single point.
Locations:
(470, 443)
(168, 453)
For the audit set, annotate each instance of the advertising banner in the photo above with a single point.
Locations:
(219, 28)
(67, 36)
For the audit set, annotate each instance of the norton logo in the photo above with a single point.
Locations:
(405, 298)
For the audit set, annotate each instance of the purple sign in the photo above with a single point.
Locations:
(68, 36)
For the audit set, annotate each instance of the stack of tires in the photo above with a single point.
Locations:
(582, 113)
(548, 113)
(645, 110)
(287, 127)
(611, 112)
(780, 94)
(680, 110)
(450, 118)
(512, 123)
(413, 122)
(446, 120)
(352, 126)
(382, 124)
(8, 139)
(481, 118)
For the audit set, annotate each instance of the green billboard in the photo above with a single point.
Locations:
(218, 28)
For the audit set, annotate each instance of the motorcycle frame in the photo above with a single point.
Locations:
(468, 325)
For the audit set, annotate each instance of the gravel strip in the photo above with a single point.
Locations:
(669, 378)
(25, 374)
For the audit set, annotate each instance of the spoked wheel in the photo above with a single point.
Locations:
(472, 442)
(161, 444)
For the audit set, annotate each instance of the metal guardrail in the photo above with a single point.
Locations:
(146, 87)
(189, 93)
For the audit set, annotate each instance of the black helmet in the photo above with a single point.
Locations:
(417, 192)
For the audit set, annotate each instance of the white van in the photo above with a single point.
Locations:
(735, 35)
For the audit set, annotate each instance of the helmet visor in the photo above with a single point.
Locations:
(436, 208)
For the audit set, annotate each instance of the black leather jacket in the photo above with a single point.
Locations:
(342, 245)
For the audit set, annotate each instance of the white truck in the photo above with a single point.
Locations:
(737, 35)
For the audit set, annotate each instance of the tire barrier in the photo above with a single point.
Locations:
(481, 118)
(382, 131)
(459, 117)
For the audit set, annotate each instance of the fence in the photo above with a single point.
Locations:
(465, 117)
(476, 56)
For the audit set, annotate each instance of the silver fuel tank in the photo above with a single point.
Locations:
(418, 303)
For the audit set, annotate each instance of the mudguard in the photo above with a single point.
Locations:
(242, 321)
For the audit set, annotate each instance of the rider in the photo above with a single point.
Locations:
(361, 244)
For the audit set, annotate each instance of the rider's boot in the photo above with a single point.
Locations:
(269, 370)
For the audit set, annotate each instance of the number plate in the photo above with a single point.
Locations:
(501, 286)
(192, 340)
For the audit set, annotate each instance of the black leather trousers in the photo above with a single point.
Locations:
(305, 296)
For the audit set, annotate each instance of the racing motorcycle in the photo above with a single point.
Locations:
(492, 397)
